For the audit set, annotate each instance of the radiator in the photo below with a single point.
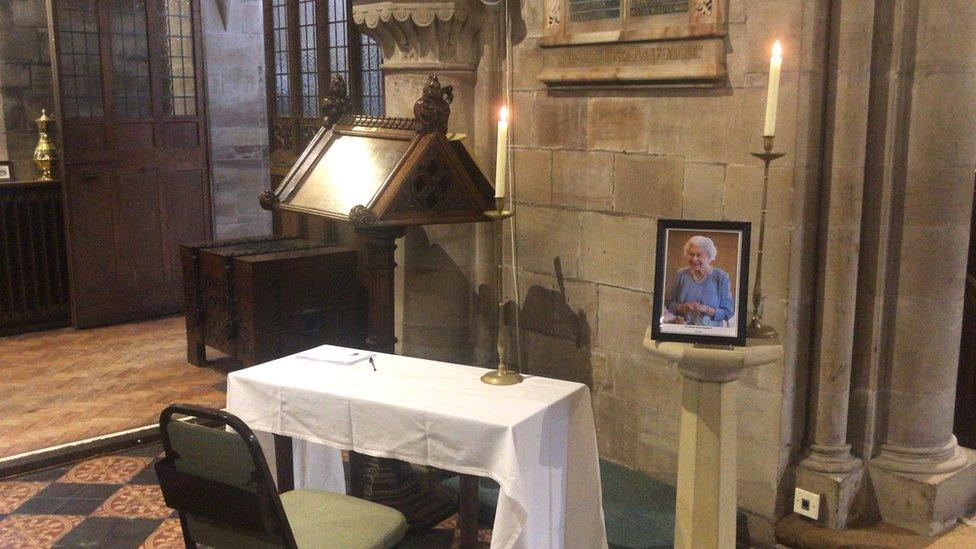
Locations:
(33, 264)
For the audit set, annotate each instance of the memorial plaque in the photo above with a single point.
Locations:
(624, 43)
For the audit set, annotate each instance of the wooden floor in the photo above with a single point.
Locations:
(67, 385)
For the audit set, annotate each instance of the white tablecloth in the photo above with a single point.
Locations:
(536, 439)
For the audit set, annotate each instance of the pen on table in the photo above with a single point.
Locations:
(371, 363)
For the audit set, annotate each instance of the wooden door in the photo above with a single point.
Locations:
(130, 84)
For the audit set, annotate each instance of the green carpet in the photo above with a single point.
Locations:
(639, 511)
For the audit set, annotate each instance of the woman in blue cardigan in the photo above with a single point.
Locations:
(699, 294)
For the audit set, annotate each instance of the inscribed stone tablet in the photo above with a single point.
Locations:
(669, 43)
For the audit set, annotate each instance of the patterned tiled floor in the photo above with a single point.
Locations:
(67, 385)
(109, 501)
(115, 502)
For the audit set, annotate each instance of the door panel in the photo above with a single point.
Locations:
(179, 135)
(138, 234)
(135, 137)
(89, 221)
(128, 73)
(184, 199)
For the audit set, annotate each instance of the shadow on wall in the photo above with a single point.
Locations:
(436, 302)
(555, 338)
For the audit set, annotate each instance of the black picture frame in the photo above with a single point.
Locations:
(665, 324)
(8, 173)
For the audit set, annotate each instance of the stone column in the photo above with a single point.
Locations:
(233, 44)
(924, 481)
(443, 265)
(830, 470)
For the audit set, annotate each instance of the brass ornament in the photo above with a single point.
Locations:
(44, 153)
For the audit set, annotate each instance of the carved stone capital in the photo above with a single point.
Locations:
(438, 36)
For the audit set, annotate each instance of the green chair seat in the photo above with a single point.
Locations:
(328, 520)
(216, 476)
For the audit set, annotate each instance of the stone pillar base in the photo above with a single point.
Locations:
(838, 492)
(925, 503)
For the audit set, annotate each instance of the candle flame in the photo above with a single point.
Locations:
(503, 114)
(777, 49)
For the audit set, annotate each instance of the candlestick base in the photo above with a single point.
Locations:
(499, 212)
(757, 330)
(498, 215)
(502, 376)
(768, 156)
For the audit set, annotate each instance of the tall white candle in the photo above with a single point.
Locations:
(772, 93)
(501, 154)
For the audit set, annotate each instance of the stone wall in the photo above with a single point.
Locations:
(594, 172)
(25, 80)
(233, 43)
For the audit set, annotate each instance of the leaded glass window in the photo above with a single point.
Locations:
(309, 58)
(78, 58)
(179, 81)
(279, 41)
(130, 59)
(308, 41)
(372, 80)
(339, 38)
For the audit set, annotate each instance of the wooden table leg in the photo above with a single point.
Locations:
(468, 512)
(284, 463)
(356, 466)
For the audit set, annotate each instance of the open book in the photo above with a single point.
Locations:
(336, 355)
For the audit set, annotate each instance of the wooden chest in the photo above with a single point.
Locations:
(258, 299)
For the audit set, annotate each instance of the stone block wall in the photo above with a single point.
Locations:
(233, 43)
(595, 170)
(25, 81)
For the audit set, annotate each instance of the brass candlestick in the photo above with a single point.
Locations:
(756, 327)
(501, 376)
(44, 153)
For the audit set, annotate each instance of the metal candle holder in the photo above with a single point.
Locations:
(501, 376)
(756, 328)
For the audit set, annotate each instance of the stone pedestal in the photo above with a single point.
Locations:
(706, 500)
(921, 502)
(838, 492)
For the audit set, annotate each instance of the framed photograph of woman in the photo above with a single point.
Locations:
(701, 282)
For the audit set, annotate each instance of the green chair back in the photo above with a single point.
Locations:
(216, 477)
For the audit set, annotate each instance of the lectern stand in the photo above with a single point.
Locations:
(381, 175)
(706, 506)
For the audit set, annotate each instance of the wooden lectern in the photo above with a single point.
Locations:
(382, 175)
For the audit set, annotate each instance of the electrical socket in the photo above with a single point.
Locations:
(806, 504)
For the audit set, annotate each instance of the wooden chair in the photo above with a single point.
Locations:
(219, 482)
